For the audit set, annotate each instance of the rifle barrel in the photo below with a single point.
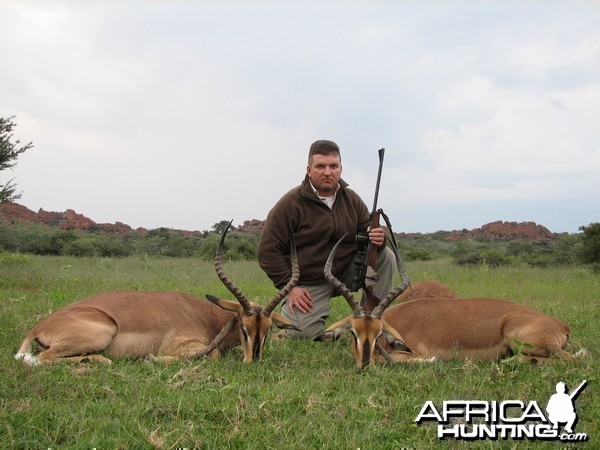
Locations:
(381, 154)
(576, 391)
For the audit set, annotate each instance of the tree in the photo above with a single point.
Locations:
(589, 252)
(9, 151)
(220, 227)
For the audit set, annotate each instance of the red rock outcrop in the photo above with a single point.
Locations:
(13, 212)
(68, 220)
(252, 226)
(505, 231)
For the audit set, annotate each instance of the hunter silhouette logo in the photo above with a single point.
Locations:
(508, 419)
(561, 408)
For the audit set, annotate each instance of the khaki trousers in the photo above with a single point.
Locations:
(313, 322)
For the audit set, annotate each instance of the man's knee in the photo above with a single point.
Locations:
(308, 332)
(387, 259)
(310, 324)
(308, 327)
(386, 268)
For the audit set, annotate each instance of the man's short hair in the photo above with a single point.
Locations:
(322, 147)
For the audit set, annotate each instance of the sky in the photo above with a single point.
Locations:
(181, 114)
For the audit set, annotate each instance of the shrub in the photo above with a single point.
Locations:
(239, 246)
(494, 258)
(80, 247)
(13, 259)
(417, 254)
(589, 250)
(111, 247)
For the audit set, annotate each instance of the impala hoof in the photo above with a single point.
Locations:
(28, 358)
(583, 353)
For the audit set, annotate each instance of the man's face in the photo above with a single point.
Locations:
(324, 173)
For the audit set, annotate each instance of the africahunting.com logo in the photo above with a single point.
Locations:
(509, 419)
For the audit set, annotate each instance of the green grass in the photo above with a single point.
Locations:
(303, 395)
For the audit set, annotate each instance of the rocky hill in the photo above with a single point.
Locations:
(507, 231)
(499, 230)
(70, 220)
(67, 220)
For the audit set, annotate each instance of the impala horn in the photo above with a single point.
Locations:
(338, 285)
(388, 299)
(248, 310)
(385, 302)
(267, 310)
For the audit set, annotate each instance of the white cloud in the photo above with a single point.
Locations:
(184, 114)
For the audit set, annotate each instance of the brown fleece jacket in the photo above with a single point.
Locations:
(316, 229)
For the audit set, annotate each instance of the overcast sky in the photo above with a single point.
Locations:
(181, 114)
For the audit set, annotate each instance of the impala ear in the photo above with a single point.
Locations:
(334, 331)
(283, 322)
(226, 304)
(393, 337)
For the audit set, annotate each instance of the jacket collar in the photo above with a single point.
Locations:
(306, 188)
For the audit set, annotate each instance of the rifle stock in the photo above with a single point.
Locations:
(370, 299)
(371, 249)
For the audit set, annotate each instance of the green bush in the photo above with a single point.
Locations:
(589, 250)
(567, 249)
(13, 259)
(417, 254)
(495, 258)
(239, 246)
(112, 247)
(80, 247)
(8, 240)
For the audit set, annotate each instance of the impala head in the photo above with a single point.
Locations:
(255, 320)
(365, 327)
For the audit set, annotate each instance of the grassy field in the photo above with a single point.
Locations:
(303, 395)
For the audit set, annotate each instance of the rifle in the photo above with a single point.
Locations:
(576, 392)
(366, 257)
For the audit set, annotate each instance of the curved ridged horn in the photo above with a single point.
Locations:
(337, 284)
(218, 338)
(385, 302)
(226, 281)
(267, 310)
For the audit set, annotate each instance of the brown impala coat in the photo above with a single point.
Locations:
(130, 324)
(476, 328)
(426, 289)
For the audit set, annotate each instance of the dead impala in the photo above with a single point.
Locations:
(447, 328)
(162, 325)
(426, 289)
(476, 328)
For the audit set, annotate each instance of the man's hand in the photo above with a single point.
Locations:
(299, 298)
(377, 236)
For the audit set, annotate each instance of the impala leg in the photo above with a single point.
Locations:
(89, 332)
(544, 338)
(539, 359)
(168, 359)
(182, 348)
(399, 356)
(87, 358)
